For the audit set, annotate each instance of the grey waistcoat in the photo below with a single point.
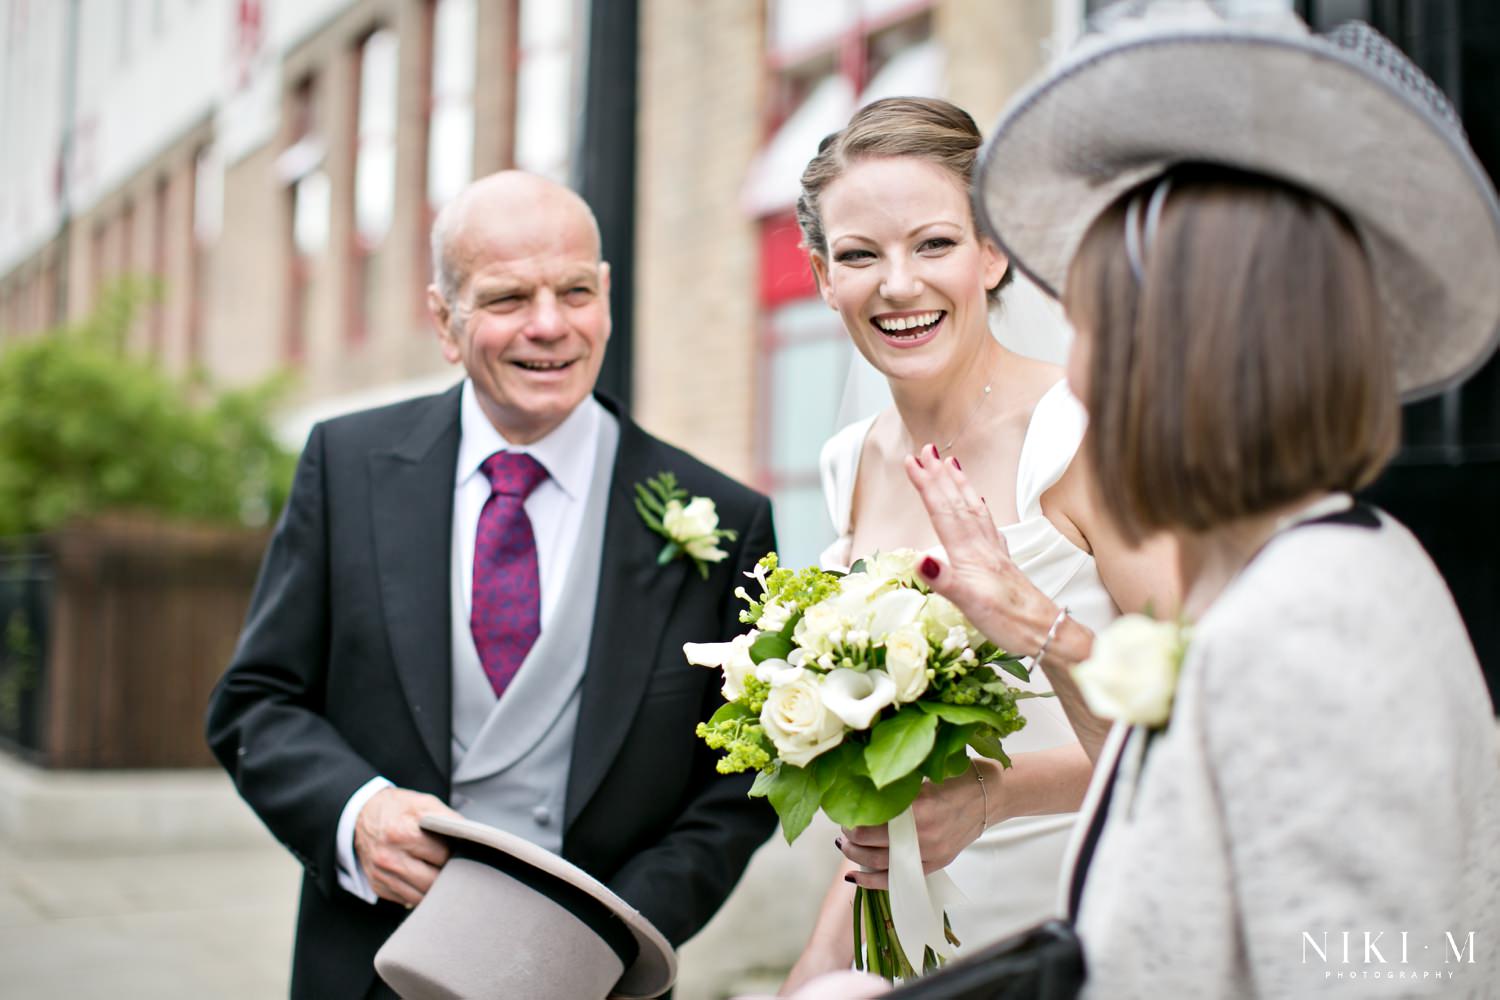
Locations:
(511, 756)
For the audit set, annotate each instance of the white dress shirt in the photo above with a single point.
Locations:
(555, 509)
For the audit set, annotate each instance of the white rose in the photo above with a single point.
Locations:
(773, 617)
(855, 592)
(1132, 672)
(900, 565)
(941, 616)
(906, 661)
(893, 610)
(698, 520)
(732, 657)
(799, 724)
(817, 628)
(857, 696)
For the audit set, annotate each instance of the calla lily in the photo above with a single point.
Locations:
(778, 673)
(857, 696)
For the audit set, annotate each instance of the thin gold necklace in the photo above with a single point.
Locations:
(972, 414)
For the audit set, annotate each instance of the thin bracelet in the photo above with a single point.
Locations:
(1036, 661)
(984, 821)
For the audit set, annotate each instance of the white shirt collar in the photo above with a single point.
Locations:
(567, 453)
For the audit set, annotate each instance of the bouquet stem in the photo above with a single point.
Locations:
(877, 949)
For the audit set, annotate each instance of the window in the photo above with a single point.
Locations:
(450, 137)
(374, 170)
(156, 322)
(545, 87)
(207, 180)
(307, 200)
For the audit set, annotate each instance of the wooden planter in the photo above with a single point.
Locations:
(144, 617)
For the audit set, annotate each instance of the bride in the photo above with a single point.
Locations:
(886, 219)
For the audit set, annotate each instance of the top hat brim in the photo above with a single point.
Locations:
(654, 967)
(1286, 104)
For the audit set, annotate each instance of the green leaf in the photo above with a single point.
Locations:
(949, 751)
(771, 646)
(962, 715)
(652, 521)
(845, 760)
(794, 795)
(856, 801)
(987, 742)
(1014, 668)
(652, 503)
(730, 710)
(668, 552)
(761, 787)
(858, 567)
(898, 745)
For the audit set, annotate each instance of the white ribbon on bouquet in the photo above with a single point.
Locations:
(917, 900)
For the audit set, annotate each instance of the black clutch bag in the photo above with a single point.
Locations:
(1042, 963)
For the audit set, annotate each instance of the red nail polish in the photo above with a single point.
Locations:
(934, 451)
(954, 460)
(918, 460)
(930, 567)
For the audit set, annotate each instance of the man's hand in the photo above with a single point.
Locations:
(398, 857)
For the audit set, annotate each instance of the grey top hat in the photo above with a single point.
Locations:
(1345, 116)
(508, 919)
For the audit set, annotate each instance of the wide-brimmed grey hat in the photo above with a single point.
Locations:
(507, 920)
(1345, 116)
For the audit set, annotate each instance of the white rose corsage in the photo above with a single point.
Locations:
(1131, 675)
(691, 528)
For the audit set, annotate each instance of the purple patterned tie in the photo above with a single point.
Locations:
(506, 610)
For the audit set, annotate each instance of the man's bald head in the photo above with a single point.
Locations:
(524, 199)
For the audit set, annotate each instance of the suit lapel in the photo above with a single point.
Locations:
(635, 598)
(411, 501)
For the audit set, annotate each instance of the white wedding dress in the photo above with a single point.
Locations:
(1010, 874)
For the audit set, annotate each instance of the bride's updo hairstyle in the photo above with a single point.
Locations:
(925, 128)
(1245, 369)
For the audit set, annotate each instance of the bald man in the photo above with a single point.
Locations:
(461, 610)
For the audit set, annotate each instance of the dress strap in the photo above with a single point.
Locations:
(838, 467)
(1052, 439)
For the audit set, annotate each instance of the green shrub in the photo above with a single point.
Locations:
(85, 427)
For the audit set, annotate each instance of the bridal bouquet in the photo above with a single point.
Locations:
(847, 692)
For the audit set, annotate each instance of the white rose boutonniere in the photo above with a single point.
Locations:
(1131, 675)
(691, 528)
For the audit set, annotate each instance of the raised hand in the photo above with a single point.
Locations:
(398, 857)
(976, 572)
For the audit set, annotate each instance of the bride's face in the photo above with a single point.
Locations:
(905, 269)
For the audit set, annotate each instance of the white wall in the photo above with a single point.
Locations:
(32, 42)
(147, 71)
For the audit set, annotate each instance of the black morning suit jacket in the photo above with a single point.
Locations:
(343, 672)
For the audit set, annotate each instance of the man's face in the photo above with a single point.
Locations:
(530, 319)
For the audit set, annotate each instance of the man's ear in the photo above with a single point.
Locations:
(442, 318)
(820, 277)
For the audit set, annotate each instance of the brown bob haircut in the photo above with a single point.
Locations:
(1246, 370)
